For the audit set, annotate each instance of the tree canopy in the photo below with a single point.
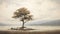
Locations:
(23, 14)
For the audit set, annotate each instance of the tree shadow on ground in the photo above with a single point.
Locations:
(25, 29)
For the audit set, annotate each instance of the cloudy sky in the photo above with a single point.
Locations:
(41, 9)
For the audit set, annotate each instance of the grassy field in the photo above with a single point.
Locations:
(37, 30)
(28, 32)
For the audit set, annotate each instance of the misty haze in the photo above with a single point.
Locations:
(30, 16)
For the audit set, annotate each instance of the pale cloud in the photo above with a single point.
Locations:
(41, 9)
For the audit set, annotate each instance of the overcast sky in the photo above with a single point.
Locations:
(41, 9)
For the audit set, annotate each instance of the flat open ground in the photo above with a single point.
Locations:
(38, 30)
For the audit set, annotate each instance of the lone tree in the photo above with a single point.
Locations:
(23, 14)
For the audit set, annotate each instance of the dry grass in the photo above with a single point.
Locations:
(28, 32)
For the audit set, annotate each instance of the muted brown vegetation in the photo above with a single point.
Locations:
(28, 32)
(23, 14)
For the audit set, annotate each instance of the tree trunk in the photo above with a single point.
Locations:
(23, 24)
